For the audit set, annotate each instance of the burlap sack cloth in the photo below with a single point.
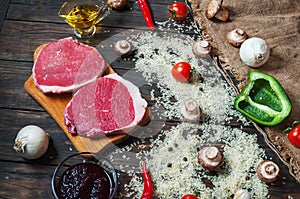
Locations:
(278, 22)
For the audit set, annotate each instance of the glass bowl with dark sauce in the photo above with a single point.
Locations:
(86, 176)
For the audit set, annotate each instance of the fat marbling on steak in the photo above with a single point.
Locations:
(108, 105)
(66, 65)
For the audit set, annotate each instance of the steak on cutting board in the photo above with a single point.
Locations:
(66, 65)
(108, 105)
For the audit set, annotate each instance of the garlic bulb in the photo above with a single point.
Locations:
(31, 142)
(254, 52)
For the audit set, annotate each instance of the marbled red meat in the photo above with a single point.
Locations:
(109, 104)
(66, 65)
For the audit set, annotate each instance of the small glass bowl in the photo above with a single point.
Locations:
(84, 157)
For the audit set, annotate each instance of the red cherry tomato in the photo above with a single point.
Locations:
(178, 11)
(182, 71)
(294, 136)
(189, 196)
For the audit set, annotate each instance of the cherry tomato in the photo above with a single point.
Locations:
(189, 196)
(178, 11)
(182, 71)
(294, 136)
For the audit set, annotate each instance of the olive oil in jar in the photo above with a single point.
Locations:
(83, 16)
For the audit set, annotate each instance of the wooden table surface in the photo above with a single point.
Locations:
(24, 25)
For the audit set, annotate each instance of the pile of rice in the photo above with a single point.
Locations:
(171, 153)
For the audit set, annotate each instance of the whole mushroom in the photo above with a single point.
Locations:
(210, 158)
(190, 111)
(254, 52)
(236, 37)
(215, 9)
(201, 48)
(122, 47)
(116, 4)
(268, 171)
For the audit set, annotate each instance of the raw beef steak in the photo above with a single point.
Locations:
(109, 104)
(66, 65)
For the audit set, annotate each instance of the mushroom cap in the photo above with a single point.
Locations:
(210, 158)
(268, 171)
(201, 48)
(223, 14)
(212, 8)
(236, 37)
(116, 4)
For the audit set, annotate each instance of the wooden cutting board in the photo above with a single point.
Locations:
(55, 105)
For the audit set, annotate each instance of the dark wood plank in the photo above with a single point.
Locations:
(22, 49)
(131, 17)
(30, 23)
(3, 10)
(23, 180)
(50, 2)
(13, 75)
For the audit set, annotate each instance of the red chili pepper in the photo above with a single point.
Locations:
(148, 190)
(147, 13)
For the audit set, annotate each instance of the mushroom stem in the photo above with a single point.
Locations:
(212, 153)
(190, 110)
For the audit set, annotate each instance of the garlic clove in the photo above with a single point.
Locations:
(236, 37)
(254, 52)
(242, 194)
(201, 48)
(31, 142)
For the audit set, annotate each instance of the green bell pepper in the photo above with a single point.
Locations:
(263, 100)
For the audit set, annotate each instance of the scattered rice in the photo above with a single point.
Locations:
(172, 156)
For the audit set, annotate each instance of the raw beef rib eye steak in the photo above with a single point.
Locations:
(66, 65)
(108, 105)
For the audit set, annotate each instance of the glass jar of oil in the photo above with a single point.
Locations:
(83, 15)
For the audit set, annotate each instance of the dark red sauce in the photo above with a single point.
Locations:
(84, 181)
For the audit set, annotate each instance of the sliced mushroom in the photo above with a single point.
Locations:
(210, 158)
(236, 37)
(116, 4)
(242, 194)
(268, 171)
(122, 47)
(201, 48)
(215, 9)
(190, 111)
